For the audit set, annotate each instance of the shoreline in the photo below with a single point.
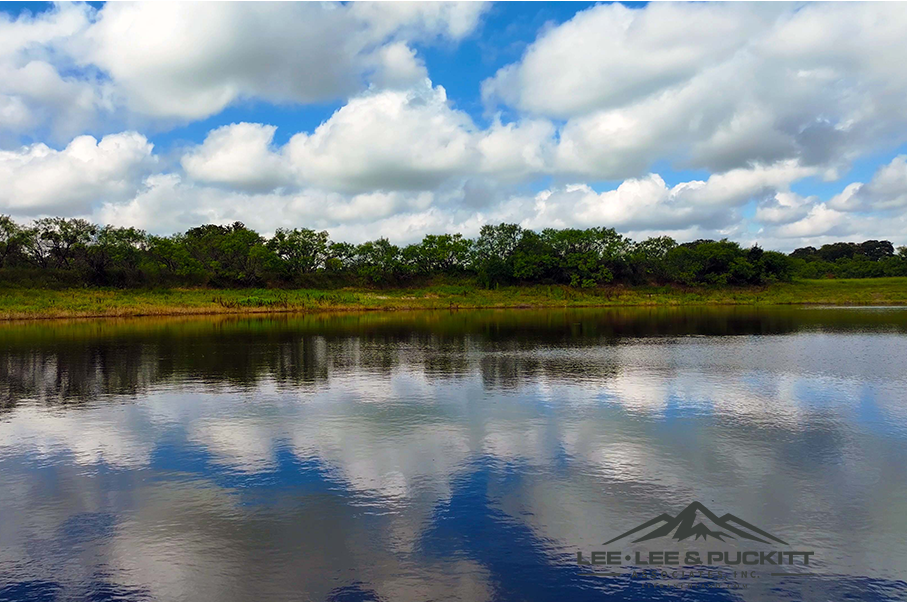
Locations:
(176, 312)
(18, 304)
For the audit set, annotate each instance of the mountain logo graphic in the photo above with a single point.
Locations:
(697, 521)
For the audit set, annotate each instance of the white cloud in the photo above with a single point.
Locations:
(519, 149)
(457, 182)
(392, 139)
(234, 175)
(821, 220)
(37, 179)
(715, 86)
(784, 208)
(241, 155)
(189, 61)
(385, 139)
(610, 55)
(886, 190)
(649, 204)
(33, 92)
(163, 63)
(166, 203)
(847, 199)
(398, 67)
(419, 20)
(874, 210)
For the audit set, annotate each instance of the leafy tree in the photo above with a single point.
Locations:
(532, 260)
(806, 253)
(646, 259)
(378, 261)
(13, 241)
(62, 240)
(836, 251)
(118, 248)
(493, 250)
(341, 257)
(586, 258)
(869, 259)
(876, 249)
(301, 251)
(231, 254)
(776, 266)
(444, 253)
(171, 255)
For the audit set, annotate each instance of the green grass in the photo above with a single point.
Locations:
(26, 303)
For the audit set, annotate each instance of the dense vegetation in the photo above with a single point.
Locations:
(59, 251)
(870, 259)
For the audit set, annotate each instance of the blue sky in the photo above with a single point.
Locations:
(762, 123)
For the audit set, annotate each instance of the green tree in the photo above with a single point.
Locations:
(492, 253)
(113, 254)
(444, 254)
(806, 253)
(379, 261)
(301, 251)
(170, 255)
(646, 259)
(341, 257)
(62, 241)
(836, 251)
(876, 249)
(230, 254)
(775, 266)
(586, 258)
(13, 241)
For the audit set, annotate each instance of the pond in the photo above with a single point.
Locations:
(480, 455)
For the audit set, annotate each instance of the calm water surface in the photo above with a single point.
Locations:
(449, 456)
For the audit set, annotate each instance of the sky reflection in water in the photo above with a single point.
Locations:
(445, 456)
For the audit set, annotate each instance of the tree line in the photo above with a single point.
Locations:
(60, 251)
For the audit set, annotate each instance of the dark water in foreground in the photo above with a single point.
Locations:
(451, 456)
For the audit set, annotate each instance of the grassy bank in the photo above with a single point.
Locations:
(26, 303)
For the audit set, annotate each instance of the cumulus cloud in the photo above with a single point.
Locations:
(408, 139)
(784, 207)
(37, 179)
(649, 204)
(189, 61)
(861, 211)
(391, 139)
(820, 220)
(241, 155)
(166, 203)
(886, 190)
(172, 62)
(34, 92)
(419, 20)
(398, 67)
(715, 86)
(517, 149)
(238, 174)
(610, 55)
